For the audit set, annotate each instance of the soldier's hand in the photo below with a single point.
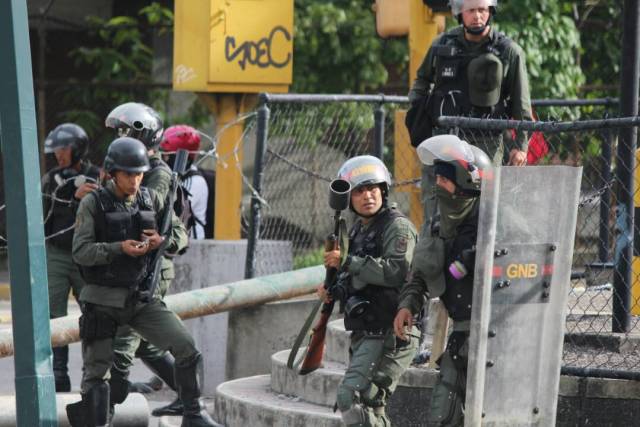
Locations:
(84, 189)
(135, 248)
(403, 323)
(332, 259)
(517, 157)
(152, 237)
(322, 293)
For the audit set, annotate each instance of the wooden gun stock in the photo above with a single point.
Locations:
(315, 351)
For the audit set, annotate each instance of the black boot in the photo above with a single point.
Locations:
(60, 371)
(164, 367)
(189, 391)
(93, 410)
(172, 409)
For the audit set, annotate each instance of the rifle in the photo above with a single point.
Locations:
(150, 282)
(339, 197)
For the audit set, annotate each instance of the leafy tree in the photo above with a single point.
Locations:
(121, 62)
(600, 25)
(337, 50)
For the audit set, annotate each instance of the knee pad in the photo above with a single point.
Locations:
(119, 389)
(354, 415)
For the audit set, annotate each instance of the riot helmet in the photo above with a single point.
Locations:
(181, 137)
(68, 135)
(462, 163)
(366, 170)
(126, 154)
(459, 6)
(138, 121)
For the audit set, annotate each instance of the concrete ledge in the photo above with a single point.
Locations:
(134, 412)
(599, 388)
(337, 342)
(250, 402)
(615, 342)
(320, 386)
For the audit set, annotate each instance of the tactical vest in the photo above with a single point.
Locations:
(383, 300)
(115, 222)
(64, 205)
(458, 294)
(450, 94)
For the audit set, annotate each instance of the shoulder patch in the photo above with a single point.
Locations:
(401, 244)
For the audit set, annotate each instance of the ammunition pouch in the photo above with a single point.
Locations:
(356, 306)
(95, 325)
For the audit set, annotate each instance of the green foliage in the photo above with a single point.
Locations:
(551, 42)
(310, 259)
(337, 50)
(600, 26)
(121, 63)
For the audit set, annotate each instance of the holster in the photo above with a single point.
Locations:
(95, 325)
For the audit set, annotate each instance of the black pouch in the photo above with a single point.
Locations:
(418, 121)
(95, 325)
(119, 226)
(147, 220)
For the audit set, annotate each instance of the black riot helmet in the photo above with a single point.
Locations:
(126, 154)
(137, 121)
(68, 135)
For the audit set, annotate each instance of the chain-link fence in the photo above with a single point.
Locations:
(303, 140)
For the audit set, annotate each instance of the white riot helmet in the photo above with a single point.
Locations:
(459, 6)
(468, 164)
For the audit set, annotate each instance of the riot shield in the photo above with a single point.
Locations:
(523, 266)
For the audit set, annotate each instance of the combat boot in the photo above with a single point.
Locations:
(195, 415)
(60, 371)
(164, 367)
(93, 410)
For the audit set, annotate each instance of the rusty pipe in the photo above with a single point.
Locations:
(202, 302)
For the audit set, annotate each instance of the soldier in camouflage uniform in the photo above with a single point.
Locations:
(381, 244)
(116, 235)
(64, 186)
(474, 71)
(143, 123)
(443, 265)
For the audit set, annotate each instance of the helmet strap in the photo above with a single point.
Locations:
(478, 30)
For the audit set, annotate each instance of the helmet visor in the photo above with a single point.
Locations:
(445, 148)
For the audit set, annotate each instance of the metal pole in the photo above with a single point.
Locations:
(35, 391)
(626, 163)
(605, 197)
(202, 302)
(378, 132)
(256, 203)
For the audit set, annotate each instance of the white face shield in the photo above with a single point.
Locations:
(458, 6)
(446, 148)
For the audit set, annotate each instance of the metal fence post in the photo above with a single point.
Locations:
(622, 277)
(262, 134)
(605, 197)
(378, 131)
(35, 391)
